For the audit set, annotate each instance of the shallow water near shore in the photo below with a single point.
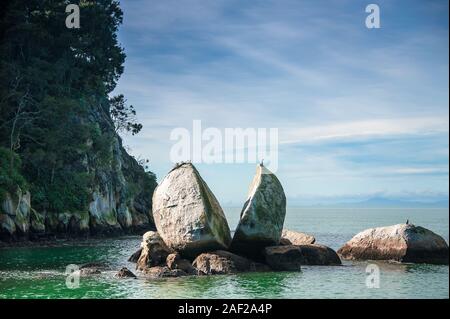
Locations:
(38, 272)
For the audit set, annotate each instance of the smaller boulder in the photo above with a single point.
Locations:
(154, 251)
(174, 261)
(319, 255)
(402, 243)
(125, 273)
(290, 237)
(284, 258)
(223, 262)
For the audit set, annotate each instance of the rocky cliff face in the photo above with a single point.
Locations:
(120, 201)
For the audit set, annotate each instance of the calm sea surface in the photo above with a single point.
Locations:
(39, 272)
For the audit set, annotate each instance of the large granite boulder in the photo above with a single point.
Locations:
(284, 258)
(154, 251)
(290, 237)
(403, 243)
(187, 214)
(319, 255)
(262, 216)
(224, 262)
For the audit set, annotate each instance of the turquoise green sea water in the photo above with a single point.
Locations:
(40, 272)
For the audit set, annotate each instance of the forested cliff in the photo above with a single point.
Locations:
(63, 169)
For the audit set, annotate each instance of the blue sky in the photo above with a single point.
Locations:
(360, 112)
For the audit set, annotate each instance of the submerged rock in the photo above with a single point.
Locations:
(154, 251)
(290, 237)
(319, 255)
(89, 272)
(125, 273)
(262, 216)
(284, 258)
(403, 243)
(224, 262)
(163, 271)
(187, 214)
(93, 268)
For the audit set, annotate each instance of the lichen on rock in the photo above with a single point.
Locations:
(187, 214)
(262, 217)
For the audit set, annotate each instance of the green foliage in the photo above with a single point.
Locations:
(101, 146)
(68, 192)
(123, 115)
(10, 176)
(54, 105)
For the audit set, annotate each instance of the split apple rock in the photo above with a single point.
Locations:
(262, 216)
(187, 214)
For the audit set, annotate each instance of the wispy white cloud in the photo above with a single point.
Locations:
(318, 75)
(420, 170)
(365, 129)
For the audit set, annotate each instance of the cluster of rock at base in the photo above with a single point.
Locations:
(193, 237)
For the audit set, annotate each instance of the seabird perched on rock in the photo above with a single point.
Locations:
(407, 222)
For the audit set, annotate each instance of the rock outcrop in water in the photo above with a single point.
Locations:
(187, 214)
(292, 257)
(154, 251)
(163, 271)
(125, 273)
(289, 237)
(403, 243)
(319, 255)
(224, 262)
(262, 216)
(174, 261)
(284, 258)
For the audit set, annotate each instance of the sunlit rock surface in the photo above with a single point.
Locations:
(187, 214)
(403, 243)
(262, 216)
